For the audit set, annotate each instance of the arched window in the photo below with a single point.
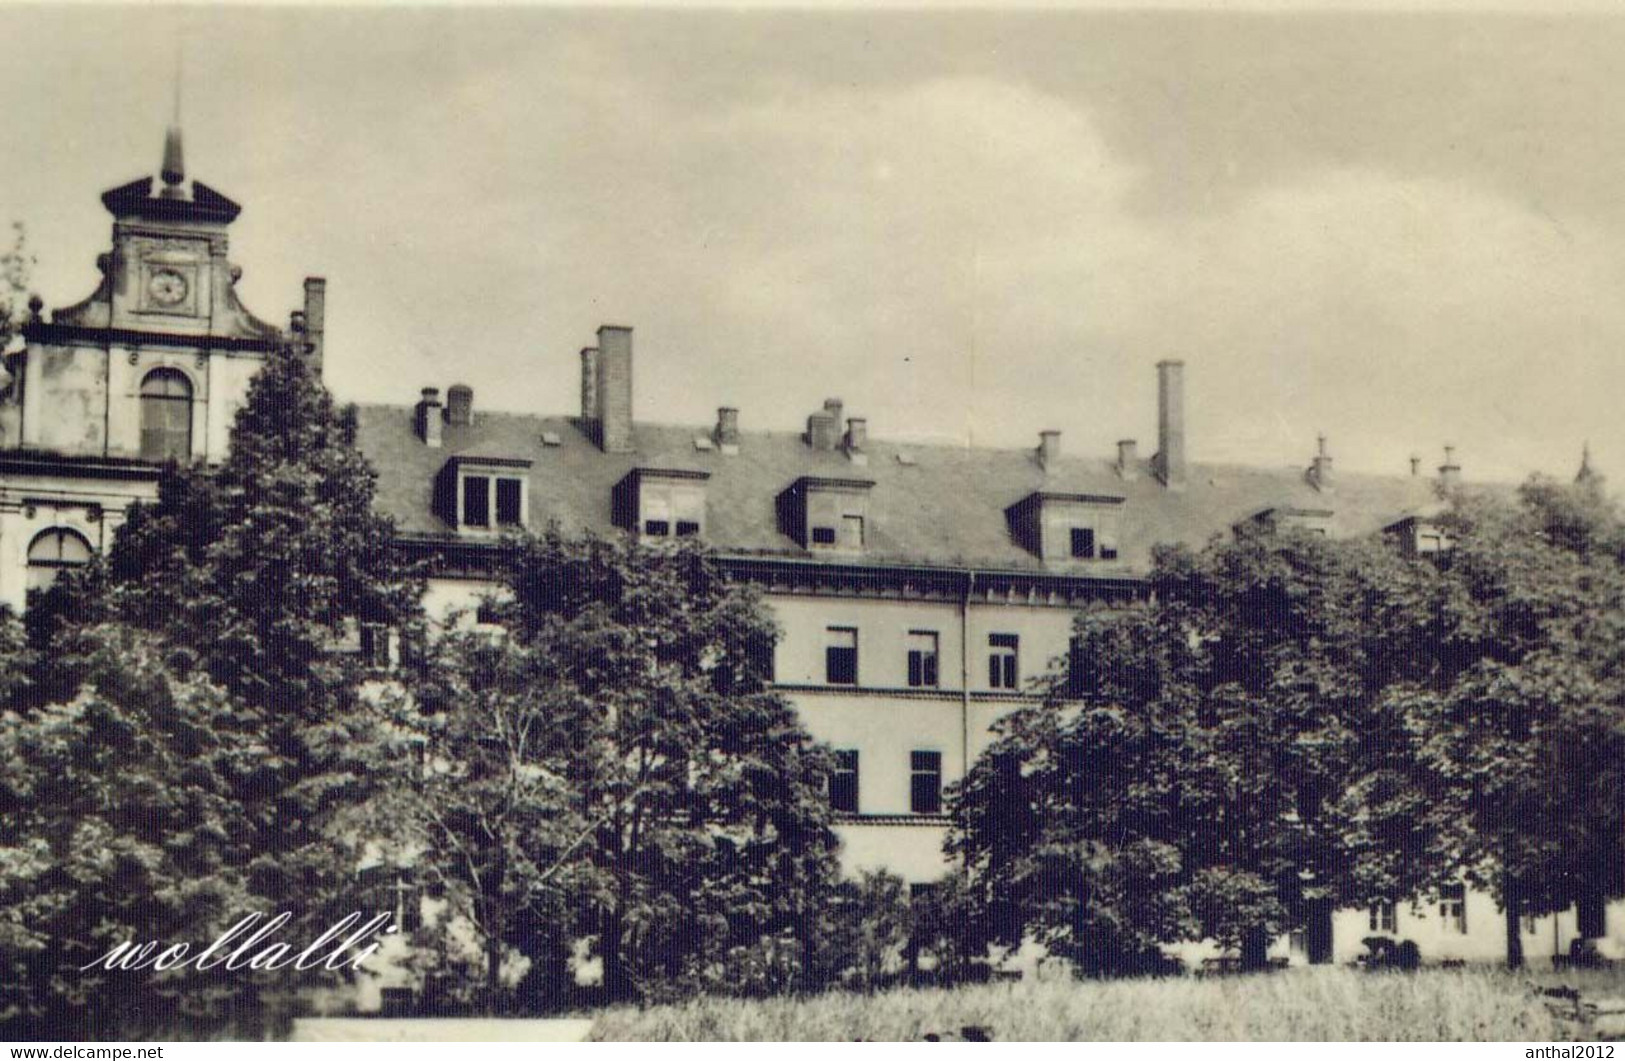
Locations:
(166, 416)
(53, 550)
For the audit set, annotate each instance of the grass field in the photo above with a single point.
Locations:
(1301, 1004)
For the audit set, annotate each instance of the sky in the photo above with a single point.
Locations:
(1398, 229)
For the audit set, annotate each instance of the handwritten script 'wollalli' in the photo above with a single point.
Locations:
(327, 949)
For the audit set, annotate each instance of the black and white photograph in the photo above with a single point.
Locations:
(864, 522)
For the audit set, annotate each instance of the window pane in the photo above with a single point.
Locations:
(843, 782)
(687, 528)
(476, 501)
(656, 528)
(508, 504)
(922, 658)
(841, 655)
(925, 790)
(1083, 543)
(823, 535)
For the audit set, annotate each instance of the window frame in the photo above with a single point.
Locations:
(171, 405)
(1004, 662)
(1453, 908)
(832, 667)
(848, 765)
(925, 769)
(53, 564)
(924, 659)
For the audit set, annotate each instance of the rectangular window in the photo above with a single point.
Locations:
(375, 645)
(1453, 908)
(1383, 917)
(922, 659)
(1082, 676)
(509, 512)
(843, 783)
(841, 655)
(476, 501)
(925, 777)
(687, 528)
(823, 535)
(656, 528)
(760, 651)
(1002, 671)
(852, 532)
(1083, 543)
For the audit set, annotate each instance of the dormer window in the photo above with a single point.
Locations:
(486, 493)
(1067, 527)
(1315, 521)
(1420, 536)
(662, 503)
(827, 514)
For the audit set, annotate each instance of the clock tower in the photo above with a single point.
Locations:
(150, 368)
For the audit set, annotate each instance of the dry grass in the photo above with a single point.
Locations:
(1302, 1004)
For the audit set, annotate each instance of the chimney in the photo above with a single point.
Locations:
(315, 321)
(1449, 471)
(615, 389)
(832, 406)
(857, 440)
(821, 428)
(1128, 460)
(1049, 448)
(728, 430)
(1416, 466)
(1320, 469)
(428, 417)
(1171, 424)
(589, 387)
(460, 405)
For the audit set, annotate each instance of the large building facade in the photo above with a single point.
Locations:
(919, 589)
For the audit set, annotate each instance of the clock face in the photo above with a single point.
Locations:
(167, 287)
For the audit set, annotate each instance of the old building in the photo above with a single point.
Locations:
(919, 588)
(149, 368)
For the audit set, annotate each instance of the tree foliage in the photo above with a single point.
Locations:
(1228, 760)
(704, 827)
(234, 590)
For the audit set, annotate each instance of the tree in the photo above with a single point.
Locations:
(260, 570)
(1215, 761)
(705, 798)
(481, 806)
(118, 824)
(1522, 723)
(867, 931)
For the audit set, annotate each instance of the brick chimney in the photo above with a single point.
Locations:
(821, 430)
(429, 418)
(589, 388)
(460, 405)
(1449, 471)
(1320, 469)
(1170, 460)
(615, 389)
(1128, 459)
(316, 321)
(857, 440)
(1049, 448)
(727, 434)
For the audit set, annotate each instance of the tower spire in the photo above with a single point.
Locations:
(173, 170)
(1587, 476)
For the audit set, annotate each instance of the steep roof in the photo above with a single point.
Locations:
(945, 507)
